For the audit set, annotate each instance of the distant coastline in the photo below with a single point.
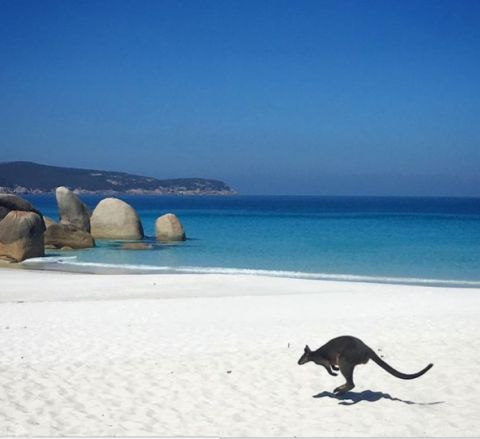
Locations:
(20, 190)
(22, 178)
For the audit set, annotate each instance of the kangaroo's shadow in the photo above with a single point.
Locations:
(351, 398)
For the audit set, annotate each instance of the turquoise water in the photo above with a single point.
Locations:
(412, 240)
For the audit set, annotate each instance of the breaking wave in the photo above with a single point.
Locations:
(70, 263)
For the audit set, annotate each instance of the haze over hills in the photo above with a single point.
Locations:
(28, 177)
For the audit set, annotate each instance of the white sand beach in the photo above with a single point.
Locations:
(216, 355)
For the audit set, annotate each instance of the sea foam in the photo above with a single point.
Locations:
(70, 263)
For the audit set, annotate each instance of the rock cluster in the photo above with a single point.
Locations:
(73, 230)
(25, 233)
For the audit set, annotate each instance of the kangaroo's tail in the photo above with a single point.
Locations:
(396, 373)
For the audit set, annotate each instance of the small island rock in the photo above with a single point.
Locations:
(115, 219)
(169, 228)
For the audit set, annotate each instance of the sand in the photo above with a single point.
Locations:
(213, 355)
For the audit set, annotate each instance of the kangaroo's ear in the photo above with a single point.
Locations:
(307, 349)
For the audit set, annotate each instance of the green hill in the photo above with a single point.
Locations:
(28, 177)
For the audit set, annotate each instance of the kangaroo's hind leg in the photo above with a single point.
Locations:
(347, 371)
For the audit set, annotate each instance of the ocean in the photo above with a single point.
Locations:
(434, 241)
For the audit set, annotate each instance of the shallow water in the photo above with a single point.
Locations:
(406, 240)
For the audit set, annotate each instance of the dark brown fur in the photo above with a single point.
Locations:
(346, 352)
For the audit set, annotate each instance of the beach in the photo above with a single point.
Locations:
(216, 355)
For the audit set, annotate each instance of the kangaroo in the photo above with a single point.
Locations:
(346, 352)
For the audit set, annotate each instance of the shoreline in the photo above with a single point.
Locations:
(216, 355)
(49, 285)
(68, 264)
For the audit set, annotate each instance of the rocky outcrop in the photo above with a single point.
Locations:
(72, 210)
(12, 202)
(21, 236)
(169, 228)
(67, 235)
(21, 229)
(115, 219)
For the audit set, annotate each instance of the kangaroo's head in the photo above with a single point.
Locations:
(305, 358)
(317, 357)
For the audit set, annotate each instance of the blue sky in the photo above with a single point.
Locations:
(273, 97)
